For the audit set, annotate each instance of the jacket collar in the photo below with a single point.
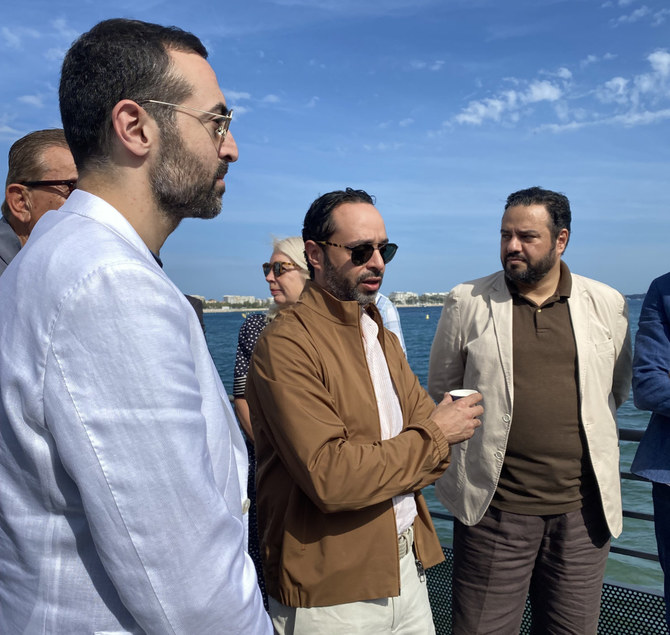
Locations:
(316, 298)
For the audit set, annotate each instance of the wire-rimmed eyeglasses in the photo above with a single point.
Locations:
(222, 121)
(71, 184)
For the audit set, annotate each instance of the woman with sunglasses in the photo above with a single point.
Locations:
(286, 274)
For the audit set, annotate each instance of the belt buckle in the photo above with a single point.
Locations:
(404, 543)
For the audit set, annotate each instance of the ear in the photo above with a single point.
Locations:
(314, 254)
(19, 202)
(562, 240)
(135, 130)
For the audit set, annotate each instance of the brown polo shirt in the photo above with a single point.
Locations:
(547, 468)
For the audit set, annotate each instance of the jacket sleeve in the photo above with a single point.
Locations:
(447, 361)
(651, 366)
(127, 419)
(292, 406)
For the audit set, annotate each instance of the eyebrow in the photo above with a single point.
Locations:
(220, 108)
(356, 243)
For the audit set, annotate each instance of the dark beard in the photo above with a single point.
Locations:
(533, 273)
(181, 187)
(340, 287)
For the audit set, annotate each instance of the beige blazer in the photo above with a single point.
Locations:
(473, 349)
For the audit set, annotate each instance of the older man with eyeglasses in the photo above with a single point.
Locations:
(345, 440)
(41, 174)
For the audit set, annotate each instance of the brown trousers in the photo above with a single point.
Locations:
(559, 560)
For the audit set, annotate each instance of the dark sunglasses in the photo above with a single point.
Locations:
(71, 184)
(277, 268)
(360, 254)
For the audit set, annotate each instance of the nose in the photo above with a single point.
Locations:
(376, 262)
(513, 244)
(228, 150)
(271, 276)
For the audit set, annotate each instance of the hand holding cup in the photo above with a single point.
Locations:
(456, 415)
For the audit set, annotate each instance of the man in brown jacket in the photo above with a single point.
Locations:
(345, 440)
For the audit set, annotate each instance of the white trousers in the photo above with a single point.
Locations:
(407, 614)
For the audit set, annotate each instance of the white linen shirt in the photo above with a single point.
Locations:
(390, 317)
(122, 469)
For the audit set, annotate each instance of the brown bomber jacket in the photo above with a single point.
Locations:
(325, 479)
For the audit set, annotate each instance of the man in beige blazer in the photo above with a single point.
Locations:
(535, 491)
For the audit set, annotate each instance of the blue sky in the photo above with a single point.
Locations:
(440, 108)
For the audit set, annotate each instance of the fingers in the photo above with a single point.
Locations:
(472, 399)
(458, 418)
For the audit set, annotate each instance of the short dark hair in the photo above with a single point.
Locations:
(118, 59)
(318, 223)
(26, 162)
(556, 204)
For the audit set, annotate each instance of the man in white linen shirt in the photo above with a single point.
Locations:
(123, 471)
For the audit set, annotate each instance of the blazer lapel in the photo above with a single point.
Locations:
(501, 309)
(578, 304)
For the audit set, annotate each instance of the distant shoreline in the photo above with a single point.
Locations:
(629, 296)
(235, 310)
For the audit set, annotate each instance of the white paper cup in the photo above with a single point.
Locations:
(461, 392)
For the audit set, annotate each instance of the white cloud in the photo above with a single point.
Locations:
(239, 111)
(8, 132)
(640, 99)
(420, 65)
(642, 118)
(234, 95)
(594, 59)
(13, 37)
(403, 123)
(312, 102)
(562, 111)
(64, 31)
(654, 85)
(32, 100)
(10, 38)
(271, 99)
(383, 147)
(659, 17)
(55, 54)
(542, 91)
(633, 101)
(589, 59)
(629, 120)
(478, 111)
(615, 90)
(660, 62)
(635, 16)
(507, 105)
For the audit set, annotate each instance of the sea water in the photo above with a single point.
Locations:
(419, 324)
